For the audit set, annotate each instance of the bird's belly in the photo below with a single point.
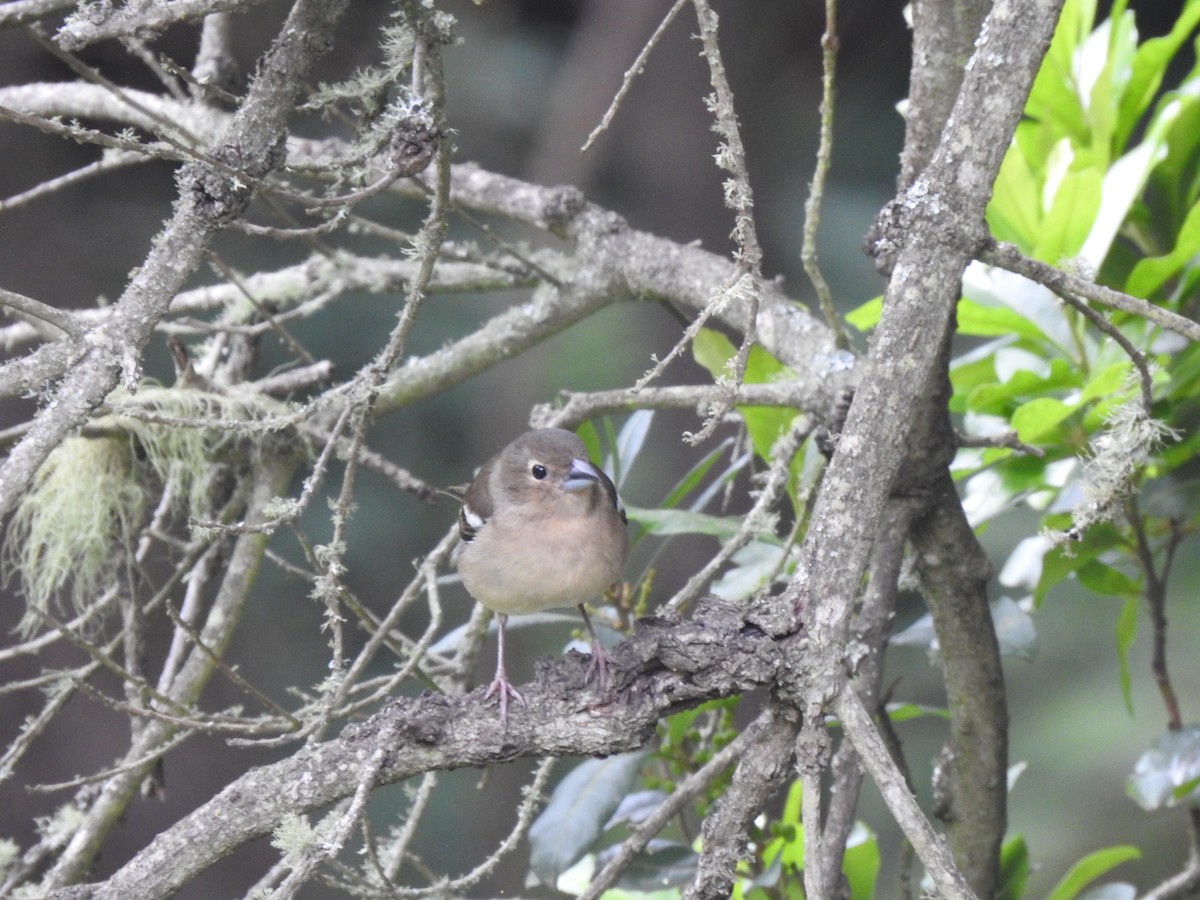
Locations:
(557, 574)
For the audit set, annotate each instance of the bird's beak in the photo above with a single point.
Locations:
(580, 476)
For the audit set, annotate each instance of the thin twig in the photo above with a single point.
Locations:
(631, 73)
(1006, 256)
(812, 206)
(683, 793)
(758, 519)
(930, 848)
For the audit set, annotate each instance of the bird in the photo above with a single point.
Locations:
(541, 527)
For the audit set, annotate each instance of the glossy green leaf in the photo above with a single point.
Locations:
(1014, 868)
(860, 864)
(683, 521)
(980, 320)
(694, 476)
(1053, 97)
(1039, 418)
(1124, 182)
(1151, 273)
(764, 424)
(1104, 579)
(1149, 65)
(1106, 382)
(1091, 867)
(904, 712)
(1109, 51)
(1014, 212)
(787, 842)
(867, 316)
(591, 438)
(967, 377)
(1023, 383)
(1069, 220)
(1060, 562)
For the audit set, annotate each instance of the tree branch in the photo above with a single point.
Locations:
(207, 201)
(934, 230)
(665, 667)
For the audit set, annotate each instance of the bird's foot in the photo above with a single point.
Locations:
(598, 666)
(503, 687)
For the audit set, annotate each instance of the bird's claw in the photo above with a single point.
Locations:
(503, 687)
(598, 666)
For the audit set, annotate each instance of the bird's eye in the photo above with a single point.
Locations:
(538, 471)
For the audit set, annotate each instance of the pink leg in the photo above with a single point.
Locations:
(500, 684)
(599, 664)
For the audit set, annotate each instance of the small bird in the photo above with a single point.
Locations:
(541, 527)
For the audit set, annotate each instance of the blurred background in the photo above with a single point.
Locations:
(526, 84)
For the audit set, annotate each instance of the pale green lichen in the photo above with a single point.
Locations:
(74, 534)
(1118, 457)
(67, 532)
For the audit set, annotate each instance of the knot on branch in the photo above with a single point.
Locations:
(931, 213)
(563, 203)
(415, 140)
(222, 187)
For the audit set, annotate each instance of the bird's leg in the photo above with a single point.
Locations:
(500, 684)
(599, 664)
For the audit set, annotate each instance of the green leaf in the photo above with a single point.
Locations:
(1014, 868)
(903, 712)
(1054, 97)
(690, 481)
(579, 807)
(1038, 418)
(1106, 382)
(787, 842)
(1151, 273)
(1062, 561)
(764, 424)
(1112, 47)
(684, 521)
(1149, 65)
(1124, 182)
(979, 320)
(1071, 214)
(1014, 213)
(993, 398)
(867, 316)
(1090, 868)
(967, 377)
(860, 864)
(590, 437)
(712, 350)
(1104, 579)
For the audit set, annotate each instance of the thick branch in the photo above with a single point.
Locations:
(764, 768)
(724, 650)
(954, 573)
(609, 263)
(937, 227)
